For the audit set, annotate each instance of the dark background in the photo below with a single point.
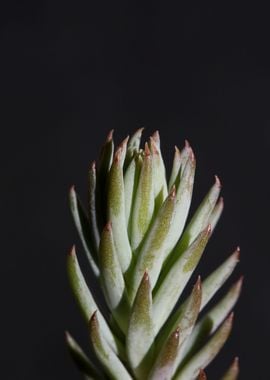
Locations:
(69, 72)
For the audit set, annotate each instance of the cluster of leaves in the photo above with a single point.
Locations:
(142, 255)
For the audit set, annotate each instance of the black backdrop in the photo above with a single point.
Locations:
(70, 71)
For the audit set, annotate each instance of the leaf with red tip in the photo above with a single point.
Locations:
(173, 284)
(200, 220)
(83, 227)
(83, 363)
(156, 243)
(116, 210)
(140, 334)
(201, 359)
(112, 278)
(94, 231)
(85, 299)
(164, 364)
(177, 161)
(216, 213)
(159, 174)
(144, 203)
(103, 168)
(133, 146)
(233, 371)
(212, 320)
(109, 360)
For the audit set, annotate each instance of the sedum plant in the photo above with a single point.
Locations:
(142, 254)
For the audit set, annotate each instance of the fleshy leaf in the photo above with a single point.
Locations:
(159, 172)
(83, 363)
(233, 371)
(112, 278)
(212, 320)
(201, 217)
(217, 278)
(133, 146)
(94, 232)
(156, 243)
(202, 358)
(85, 299)
(144, 202)
(83, 227)
(177, 161)
(216, 213)
(164, 364)
(140, 335)
(116, 209)
(103, 168)
(109, 360)
(174, 283)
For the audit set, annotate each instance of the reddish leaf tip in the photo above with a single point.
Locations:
(110, 135)
(187, 144)
(217, 182)
(72, 251)
(147, 150)
(177, 151)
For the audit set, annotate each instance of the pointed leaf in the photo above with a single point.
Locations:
(174, 283)
(82, 224)
(212, 320)
(116, 210)
(131, 179)
(200, 220)
(85, 299)
(83, 363)
(217, 278)
(233, 371)
(216, 213)
(159, 174)
(133, 146)
(103, 168)
(163, 367)
(140, 335)
(177, 160)
(143, 203)
(156, 243)
(201, 359)
(112, 278)
(109, 360)
(94, 232)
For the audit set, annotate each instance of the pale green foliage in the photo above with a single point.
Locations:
(142, 254)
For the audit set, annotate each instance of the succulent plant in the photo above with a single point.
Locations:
(142, 254)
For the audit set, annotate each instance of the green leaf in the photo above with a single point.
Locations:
(140, 335)
(216, 213)
(116, 209)
(183, 201)
(133, 146)
(174, 283)
(109, 360)
(212, 320)
(177, 161)
(150, 257)
(159, 172)
(164, 365)
(200, 220)
(218, 277)
(202, 358)
(83, 227)
(85, 299)
(233, 371)
(94, 232)
(103, 168)
(144, 202)
(83, 363)
(112, 278)
(131, 178)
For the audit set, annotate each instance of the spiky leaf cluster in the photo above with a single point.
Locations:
(142, 254)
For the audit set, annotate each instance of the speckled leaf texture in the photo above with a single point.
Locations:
(143, 249)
